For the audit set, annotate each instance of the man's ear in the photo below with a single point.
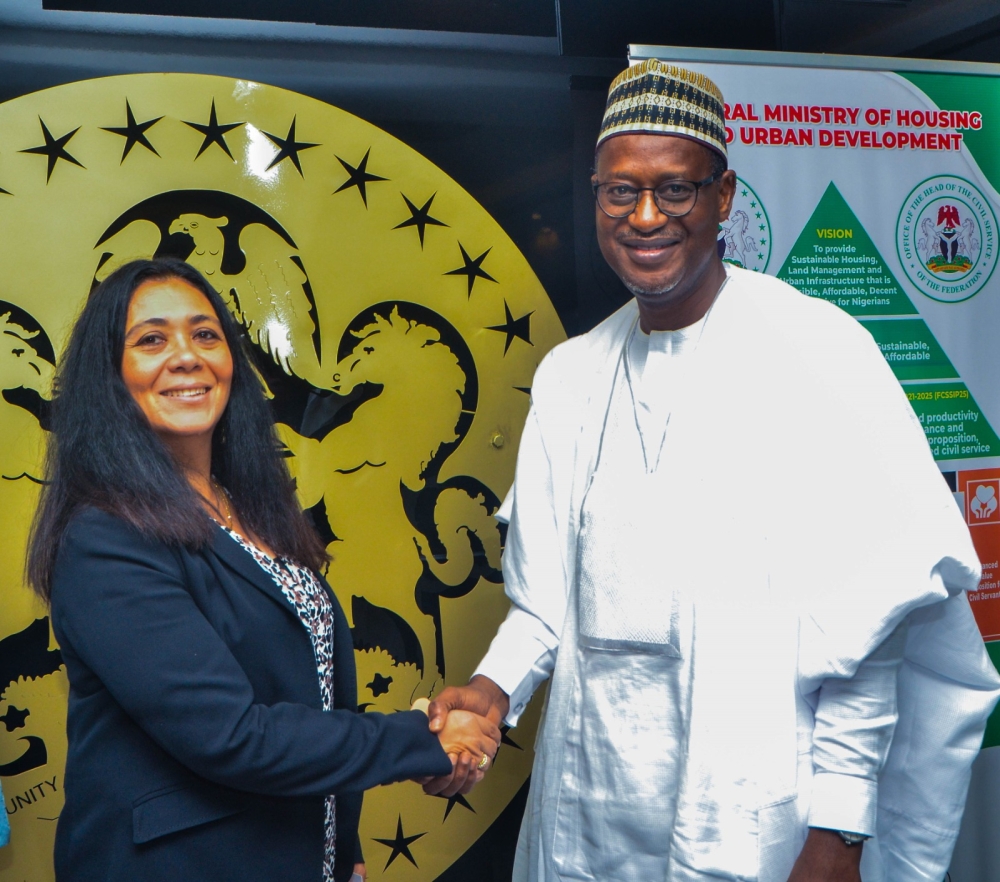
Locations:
(727, 189)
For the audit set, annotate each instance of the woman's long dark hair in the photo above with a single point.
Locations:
(102, 451)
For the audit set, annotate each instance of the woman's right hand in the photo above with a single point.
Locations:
(466, 738)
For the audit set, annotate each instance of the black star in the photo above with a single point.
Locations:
(457, 799)
(400, 845)
(54, 149)
(213, 131)
(527, 391)
(505, 739)
(472, 269)
(14, 719)
(520, 328)
(134, 132)
(288, 148)
(359, 177)
(379, 685)
(419, 218)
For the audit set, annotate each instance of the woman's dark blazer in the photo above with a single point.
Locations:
(198, 749)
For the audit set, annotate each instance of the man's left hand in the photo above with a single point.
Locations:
(827, 858)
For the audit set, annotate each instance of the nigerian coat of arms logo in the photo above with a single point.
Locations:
(946, 237)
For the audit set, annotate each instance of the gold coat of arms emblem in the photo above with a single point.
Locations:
(396, 328)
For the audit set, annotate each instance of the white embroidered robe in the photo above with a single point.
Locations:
(803, 522)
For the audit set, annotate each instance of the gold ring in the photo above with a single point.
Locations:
(484, 762)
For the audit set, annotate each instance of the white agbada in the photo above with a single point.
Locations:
(715, 681)
(635, 626)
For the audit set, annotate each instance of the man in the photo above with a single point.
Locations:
(728, 541)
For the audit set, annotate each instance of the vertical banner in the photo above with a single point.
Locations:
(397, 329)
(879, 191)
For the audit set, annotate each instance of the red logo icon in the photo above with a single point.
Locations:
(982, 501)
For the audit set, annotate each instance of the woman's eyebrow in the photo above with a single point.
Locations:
(157, 322)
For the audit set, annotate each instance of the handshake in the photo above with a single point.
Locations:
(466, 721)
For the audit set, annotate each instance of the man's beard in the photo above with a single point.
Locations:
(648, 293)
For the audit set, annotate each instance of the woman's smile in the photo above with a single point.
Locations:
(186, 393)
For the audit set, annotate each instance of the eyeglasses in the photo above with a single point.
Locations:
(672, 198)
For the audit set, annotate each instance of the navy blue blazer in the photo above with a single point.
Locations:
(198, 748)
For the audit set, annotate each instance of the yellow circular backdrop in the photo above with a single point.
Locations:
(397, 329)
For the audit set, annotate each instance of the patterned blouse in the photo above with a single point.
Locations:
(313, 607)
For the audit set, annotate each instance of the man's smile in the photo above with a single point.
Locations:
(651, 250)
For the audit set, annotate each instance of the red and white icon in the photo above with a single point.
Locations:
(982, 501)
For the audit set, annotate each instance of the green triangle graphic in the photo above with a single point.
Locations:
(835, 259)
(911, 350)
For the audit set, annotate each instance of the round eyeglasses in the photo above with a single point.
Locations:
(672, 198)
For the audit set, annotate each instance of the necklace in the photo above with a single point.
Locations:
(223, 496)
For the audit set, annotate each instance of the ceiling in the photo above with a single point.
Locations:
(966, 30)
(944, 29)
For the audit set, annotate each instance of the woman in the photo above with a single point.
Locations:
(212, 724)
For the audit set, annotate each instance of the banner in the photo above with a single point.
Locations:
(879, 191)
(397, 329)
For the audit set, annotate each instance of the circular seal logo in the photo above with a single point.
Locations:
(946, 238)
(745, 239)
(397, 329)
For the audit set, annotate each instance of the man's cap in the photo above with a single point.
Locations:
(662, 99)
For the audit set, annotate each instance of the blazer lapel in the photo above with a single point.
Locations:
(242, 562)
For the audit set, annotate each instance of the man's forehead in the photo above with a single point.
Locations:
(665, 154)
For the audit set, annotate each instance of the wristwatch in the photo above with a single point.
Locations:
(852, 838)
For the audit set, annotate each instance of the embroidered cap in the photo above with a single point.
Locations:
(657, 98)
